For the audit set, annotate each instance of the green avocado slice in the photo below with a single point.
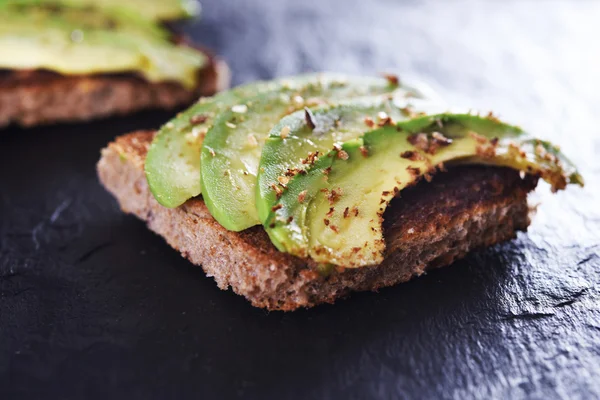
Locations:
(232, 147)
(173, 161)
(334, 212)
(75, 40)
(163, 10)
(315, 132)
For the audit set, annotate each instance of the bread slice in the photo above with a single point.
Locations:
(29, 98)
(429, 226)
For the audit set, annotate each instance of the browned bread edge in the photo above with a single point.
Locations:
(29, 98)
(430, 226)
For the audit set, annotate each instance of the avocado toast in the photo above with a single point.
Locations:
(69, 62)
(327, 184)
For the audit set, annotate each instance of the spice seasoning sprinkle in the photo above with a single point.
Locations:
(285, 131)
(441, 139)
(369, 122)
(198, 119)
(277, 189)
(414, 171)
(239, 109)
(312, 157)
(343, 155)
(392, 79)
(302, 196)
(411, 155)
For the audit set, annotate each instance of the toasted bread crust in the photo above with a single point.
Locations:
(430, 226)
(29, 98)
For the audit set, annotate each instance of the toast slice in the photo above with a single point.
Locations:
(38, 97)
(429, 226)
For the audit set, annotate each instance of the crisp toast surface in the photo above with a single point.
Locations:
(429, 226)
(38, 97)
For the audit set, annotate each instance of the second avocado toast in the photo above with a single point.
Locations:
(355, 183)
(74, 60)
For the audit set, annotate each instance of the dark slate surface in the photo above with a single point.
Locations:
(92, 305)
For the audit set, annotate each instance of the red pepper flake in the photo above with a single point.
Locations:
(486, 151)
(310, 160)
(492, 117)
(346, 212)
(309, 118)
(326, 221)
(334, 195)
(369, 122)
(480, 139)
(494, 141)
(198, 119)
(343, 155)
(356, 249)
(355, 211)
(334, 228)
(407, 112)
(414, 171)
(290, 219)
(364, 151)
(392, 79)
(384, 119)
(276, 207)
(326, 171)
(294, 171)
(412, 155)
(301, 196)
(419, 140)
(277, 189)
(330, 213)
(441, 139)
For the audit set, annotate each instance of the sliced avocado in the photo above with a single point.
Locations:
(334, 212)
(232, 147)
(315, 132)
(163, 10)
(173, 161)
(81, 40)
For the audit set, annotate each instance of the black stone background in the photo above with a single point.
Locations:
(92, 305)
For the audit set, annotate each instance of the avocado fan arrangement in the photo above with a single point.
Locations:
(316, 159)
(71, 37)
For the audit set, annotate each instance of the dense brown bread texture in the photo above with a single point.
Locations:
(430, 226)
(38, 97)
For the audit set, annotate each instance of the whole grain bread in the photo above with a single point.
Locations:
(37, 97)
(429, 226)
